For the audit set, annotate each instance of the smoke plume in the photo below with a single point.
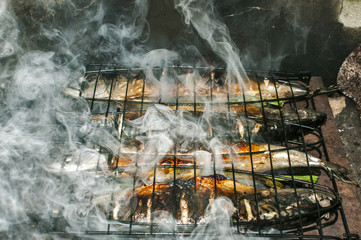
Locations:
(41, 129)
(202, 16)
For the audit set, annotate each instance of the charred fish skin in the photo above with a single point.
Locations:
(291, 209)
(185, 197)
(271, 128)
(254, 129)
(206, 85)
(305, 117)
(187, 201)
(234, 155)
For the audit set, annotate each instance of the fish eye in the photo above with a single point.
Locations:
(166, 162)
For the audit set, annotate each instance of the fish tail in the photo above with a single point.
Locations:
(339, 172)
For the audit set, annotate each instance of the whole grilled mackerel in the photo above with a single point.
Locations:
(189, 200)
(240, 156)
(183, 88)
(270, 124)
(254, 128)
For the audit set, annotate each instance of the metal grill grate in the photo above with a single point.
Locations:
(309, 140)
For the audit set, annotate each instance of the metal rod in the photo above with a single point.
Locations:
(308, 164)
(137, 157)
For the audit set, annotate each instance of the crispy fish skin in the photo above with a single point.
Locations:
(206, 86)
(264, 158)
(187, 201)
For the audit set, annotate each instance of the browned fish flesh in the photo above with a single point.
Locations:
(187, 201)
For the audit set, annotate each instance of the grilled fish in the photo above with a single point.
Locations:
(254, 128)
(188, 200)
(240, 156)
(269, 123)
(185, 88)
(229, 125)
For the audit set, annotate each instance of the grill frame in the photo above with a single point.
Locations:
(301, 79)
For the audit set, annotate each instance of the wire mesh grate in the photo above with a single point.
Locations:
(118, 95)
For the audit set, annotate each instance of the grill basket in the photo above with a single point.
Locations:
(310, 140)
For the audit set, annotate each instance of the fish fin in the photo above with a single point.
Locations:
(339, 172)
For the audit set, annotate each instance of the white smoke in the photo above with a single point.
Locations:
(218, 217)
(160, 128)
(40, 127)
(202, 16)
(8, 32)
